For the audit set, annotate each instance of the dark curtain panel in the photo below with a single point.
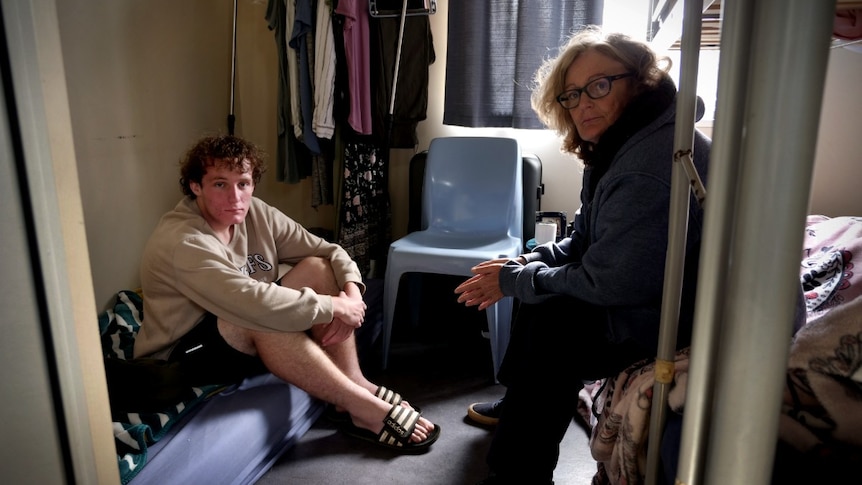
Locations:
(495, 47)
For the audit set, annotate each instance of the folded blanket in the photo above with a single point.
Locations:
(622, 406)
(822, 411)
(134, 432)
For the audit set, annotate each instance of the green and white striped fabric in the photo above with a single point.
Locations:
(135, 432)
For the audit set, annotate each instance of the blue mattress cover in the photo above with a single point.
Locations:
(233, 437)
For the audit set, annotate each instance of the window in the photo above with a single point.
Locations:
(495, 48)
(501, 43)
(631, 17)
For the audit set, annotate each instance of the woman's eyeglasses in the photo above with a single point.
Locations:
(595, 89)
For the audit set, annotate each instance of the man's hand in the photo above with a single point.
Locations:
(352, 290)
(348, 314)
(351, 310)
(334, 332)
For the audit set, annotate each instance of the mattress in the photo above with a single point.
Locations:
(233, 437)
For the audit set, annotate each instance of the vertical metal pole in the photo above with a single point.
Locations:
(231, 119)
(718, 227)
(398, 57)
(686, 107)
(390, 116)
(785, 90)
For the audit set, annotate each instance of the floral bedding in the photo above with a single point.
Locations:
(831, 250)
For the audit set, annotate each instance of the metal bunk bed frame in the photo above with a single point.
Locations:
(761, 164)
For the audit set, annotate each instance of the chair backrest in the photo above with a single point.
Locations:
(474, 185)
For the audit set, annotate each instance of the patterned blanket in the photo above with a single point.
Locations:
(620, 419)
(823, 395)
(135, 432)
(827, 275)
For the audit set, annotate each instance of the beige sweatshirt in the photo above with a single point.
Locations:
(187, 271)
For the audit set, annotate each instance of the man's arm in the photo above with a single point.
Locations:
(353, 290)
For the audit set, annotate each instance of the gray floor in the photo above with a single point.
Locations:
(441, 365)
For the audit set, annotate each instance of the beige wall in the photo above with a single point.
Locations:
(147, 78)
(835, 189)
(144, 79)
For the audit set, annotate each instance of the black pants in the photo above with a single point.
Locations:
(205, 358)
(555, 346)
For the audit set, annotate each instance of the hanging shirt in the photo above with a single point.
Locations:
(299, 41)
(358, 58)
(411, 90)
(323, 122)
(293, 162)
(292, 69)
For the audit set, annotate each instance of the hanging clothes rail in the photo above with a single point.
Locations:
(384, 8)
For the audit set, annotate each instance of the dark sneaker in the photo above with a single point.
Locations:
(486, 413)
(491, 480)
(494, 479)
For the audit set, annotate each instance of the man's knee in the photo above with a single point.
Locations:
(316, 263)
(237, 337)
(312, 272)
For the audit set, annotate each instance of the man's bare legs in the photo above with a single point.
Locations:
(330, 373)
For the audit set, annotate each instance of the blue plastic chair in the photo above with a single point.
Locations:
(472, 211)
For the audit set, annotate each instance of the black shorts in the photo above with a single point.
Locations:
(205, 358)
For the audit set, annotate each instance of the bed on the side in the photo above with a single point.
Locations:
(212, 434)
(820, 427)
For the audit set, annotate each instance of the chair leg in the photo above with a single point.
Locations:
(499, 328)
(390, 296)
(414, 292)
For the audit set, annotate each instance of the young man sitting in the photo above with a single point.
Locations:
(217, 300)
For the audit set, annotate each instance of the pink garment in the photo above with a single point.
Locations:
(848, 24)
(357, 50)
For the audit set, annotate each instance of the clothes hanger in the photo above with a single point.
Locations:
(394, 8)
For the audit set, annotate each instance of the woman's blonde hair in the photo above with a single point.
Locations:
(550, 79)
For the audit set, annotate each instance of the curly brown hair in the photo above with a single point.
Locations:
(229, 151)
(648, 68)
